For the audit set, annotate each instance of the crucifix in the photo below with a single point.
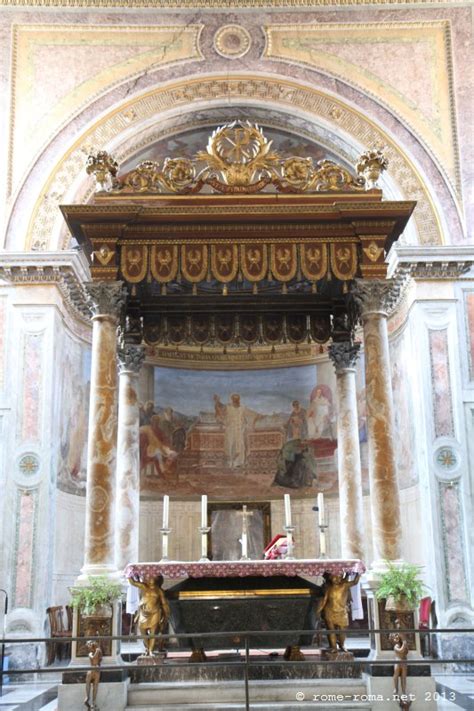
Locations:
(245, 531)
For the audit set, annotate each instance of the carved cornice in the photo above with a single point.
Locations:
(105, 298)
(376, 296)
(130, 358)
(206, 4)
(67, 269)
(343, 355)
(433, 263)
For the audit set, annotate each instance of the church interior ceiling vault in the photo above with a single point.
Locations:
(67, 179)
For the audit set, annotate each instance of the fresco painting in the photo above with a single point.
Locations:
(75, 389)
(239, 434)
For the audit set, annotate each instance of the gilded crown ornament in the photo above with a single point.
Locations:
(238, 159)
(370, 166)
(104, 168)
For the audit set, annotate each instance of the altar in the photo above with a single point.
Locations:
(258, 596)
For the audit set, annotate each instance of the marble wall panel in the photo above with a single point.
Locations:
(87, 59)
(441, 383)
(29, 420)
(24, 551)
(452, 527)
(417, 87)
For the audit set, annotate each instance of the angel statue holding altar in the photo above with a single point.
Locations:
(333, 607)
(153, 611)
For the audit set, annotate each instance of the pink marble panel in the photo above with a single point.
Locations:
(24, 549)
(441, 384)
(453, 545)
(469, 303)
(32, 383)
(3, 314)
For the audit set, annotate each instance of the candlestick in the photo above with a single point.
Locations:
(287, 510)
(320, 502)
(289, 542)
(204, 511)
(164, 543)
(244, 538)
(204, 530)
(322, 541)
(166, 510)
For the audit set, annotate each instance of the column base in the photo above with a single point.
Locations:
(108, 627)
(111, 696)
(420, 693)
(95, 569)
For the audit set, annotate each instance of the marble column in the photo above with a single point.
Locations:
(344, 357)
(105, 300)
(374, 299)
(128, 457)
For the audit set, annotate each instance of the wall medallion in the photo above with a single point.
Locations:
(29, 464)
(232, 41)
(446, 460)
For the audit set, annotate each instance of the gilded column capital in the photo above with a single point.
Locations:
(344, 355)
(375, 296)
(130, 358)
(105, 298)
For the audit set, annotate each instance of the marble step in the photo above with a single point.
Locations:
(198, 695)
(255, 706)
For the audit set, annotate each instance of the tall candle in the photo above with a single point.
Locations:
(166, 510)
(287, 510)
(321, 509)
(204, 511)
(244, 533)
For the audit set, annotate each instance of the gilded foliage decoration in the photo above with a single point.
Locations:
(238, 159)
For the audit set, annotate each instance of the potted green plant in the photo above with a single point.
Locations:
(401, 587)
(96, 599)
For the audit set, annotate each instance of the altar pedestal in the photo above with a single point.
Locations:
(238, 605)
(259, 596)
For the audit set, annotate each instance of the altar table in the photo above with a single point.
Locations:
(311, 568)
(245, 596)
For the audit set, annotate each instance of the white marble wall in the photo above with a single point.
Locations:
(438, 338)
(28, 407)
(69, 544)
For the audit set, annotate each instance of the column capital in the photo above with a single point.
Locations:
(375, 295)
(343, 355)
(105, 298)
(130, 358)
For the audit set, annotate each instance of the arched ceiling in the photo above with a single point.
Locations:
(188, 106)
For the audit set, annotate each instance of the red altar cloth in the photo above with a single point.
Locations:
(242, 569)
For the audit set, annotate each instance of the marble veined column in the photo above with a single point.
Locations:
(344, 356)
(374, 299)
(128, 456)
(105, 300)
